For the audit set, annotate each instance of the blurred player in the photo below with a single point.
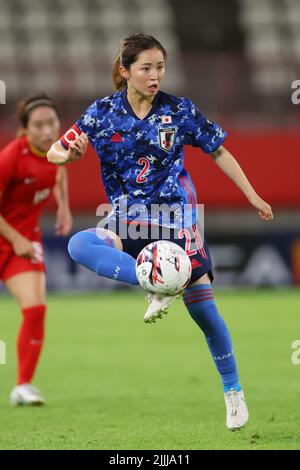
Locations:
(139, 134)
(26, 181)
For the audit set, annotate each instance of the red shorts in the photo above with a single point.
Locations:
(11, 264)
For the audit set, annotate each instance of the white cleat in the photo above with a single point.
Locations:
(236, 409)
(158, 306)
(26, 394)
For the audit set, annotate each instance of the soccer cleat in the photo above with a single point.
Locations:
(236, 409)
(158, 306)
(26, 394)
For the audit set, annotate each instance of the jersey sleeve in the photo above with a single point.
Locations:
(8, 164)
(86, 123)
(201, 132)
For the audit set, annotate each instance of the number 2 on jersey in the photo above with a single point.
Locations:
(140, 177)
(184, 233)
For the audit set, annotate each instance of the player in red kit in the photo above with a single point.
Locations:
(26, 182)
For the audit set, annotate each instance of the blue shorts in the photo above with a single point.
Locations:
(189, 239)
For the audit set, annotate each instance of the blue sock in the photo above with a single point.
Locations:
(200, 303)
(96, 251)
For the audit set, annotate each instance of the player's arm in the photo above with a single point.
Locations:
(73, 144)
(228, 164)
(20, 244)
(77, 148)
(64, 220)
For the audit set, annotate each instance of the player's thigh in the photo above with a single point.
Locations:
(116, 238)
(205, 279)
(104, 232)
(28, 288)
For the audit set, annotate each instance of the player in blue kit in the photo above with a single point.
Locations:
(139, 133)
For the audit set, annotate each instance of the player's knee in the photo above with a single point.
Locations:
(77, 246)
(103, 236)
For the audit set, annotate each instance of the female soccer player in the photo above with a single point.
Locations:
(139, 133)
(26, 181)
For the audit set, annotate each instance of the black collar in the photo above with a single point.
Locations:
(154, 108)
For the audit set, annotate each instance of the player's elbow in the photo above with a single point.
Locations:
(51, 154)
(57, 155)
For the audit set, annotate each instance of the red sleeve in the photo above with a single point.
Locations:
(8, 163)
(69, 136)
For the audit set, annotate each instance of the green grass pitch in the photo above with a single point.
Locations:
(113, 382)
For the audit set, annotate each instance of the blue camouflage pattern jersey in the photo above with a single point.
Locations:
(142, 159)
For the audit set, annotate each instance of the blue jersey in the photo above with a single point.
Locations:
(142, 159)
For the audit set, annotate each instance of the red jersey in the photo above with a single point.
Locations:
(26, 181)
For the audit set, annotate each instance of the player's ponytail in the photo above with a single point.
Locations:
(130, 48)
(118, 81)
(25, 106)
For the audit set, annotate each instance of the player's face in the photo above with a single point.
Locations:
(146, 73)
(43, 128)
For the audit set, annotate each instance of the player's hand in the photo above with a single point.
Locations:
(78, 147)
(64, 221)
(23, 247)
(264, 209)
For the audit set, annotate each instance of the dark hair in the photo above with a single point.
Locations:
(25, 106)
(130, 47)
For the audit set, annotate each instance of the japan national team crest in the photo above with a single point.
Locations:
(166, 137)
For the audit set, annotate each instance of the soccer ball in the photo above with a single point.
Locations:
(163, 268)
